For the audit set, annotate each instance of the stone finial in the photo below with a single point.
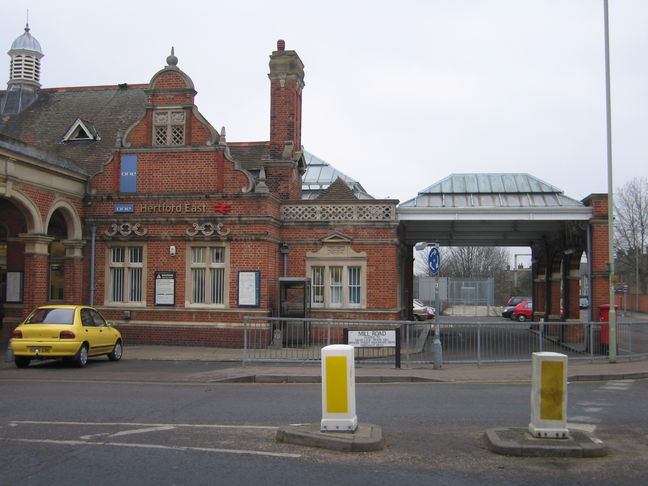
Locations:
(261, 186)
(172, 60)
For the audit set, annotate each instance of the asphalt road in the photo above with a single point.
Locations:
(138, 422)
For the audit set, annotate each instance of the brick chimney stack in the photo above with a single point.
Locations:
(286, 84)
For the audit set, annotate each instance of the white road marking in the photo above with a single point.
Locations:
(94, 436)
(158, 446)
(14, 423)
(583, 419)
(591, 428)
(617, 385)
(128, 432)
(142, 431)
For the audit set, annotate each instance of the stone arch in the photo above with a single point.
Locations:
(71, 217)
(28, 208)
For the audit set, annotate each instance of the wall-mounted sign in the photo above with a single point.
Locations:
(128, 173)
(14, 289)
(373, 339)
(249, 291)
(183, 207)
(165, 288)
(173, 207)
(123, 208)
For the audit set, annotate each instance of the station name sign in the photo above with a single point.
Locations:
(174, 208)
(373, 339)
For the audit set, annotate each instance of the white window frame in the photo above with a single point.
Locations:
(132, 272)
(331, 291)
(207, 265)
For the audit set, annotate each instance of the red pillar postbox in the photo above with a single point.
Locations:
(604, 312)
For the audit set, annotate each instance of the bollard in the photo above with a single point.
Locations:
(549, 396)
(338, 389)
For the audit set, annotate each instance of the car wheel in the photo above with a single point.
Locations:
(81, 359)
(116, 353)
(22, 361)
(521, 318)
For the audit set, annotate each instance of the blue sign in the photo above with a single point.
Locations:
(123, 208)
(128, 174)
(434, 260)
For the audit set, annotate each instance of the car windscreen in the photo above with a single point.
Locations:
(51, 316)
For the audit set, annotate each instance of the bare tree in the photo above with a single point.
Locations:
(466, 262)
(631, 231)
(475, 262)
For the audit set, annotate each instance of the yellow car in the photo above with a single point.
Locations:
(70, 332)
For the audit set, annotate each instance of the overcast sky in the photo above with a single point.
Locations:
(398, 94)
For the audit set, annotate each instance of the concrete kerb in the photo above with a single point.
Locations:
(517, 441)
(366, 438)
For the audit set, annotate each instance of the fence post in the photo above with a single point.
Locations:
(591, 340)
(328, 332)
(397, 362)
(479, 344)
(245, 338)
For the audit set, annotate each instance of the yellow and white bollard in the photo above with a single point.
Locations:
(549, 396)
(338, 389)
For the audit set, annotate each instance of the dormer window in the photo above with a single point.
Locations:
(168, 127)
(81, 131)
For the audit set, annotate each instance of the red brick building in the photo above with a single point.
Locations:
(126, 198)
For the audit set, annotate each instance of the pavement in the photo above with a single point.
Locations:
(309, 372)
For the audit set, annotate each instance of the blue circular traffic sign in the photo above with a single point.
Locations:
(434, 260)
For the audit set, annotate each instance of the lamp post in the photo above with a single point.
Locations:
(608, 113)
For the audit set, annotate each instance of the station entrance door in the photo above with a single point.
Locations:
(294, 302)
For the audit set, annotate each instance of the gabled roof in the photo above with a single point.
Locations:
(110, 109)
(81, 130)
(337, 192)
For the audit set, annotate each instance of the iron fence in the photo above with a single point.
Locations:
(301, 340)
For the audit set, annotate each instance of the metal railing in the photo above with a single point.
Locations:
(301, 340)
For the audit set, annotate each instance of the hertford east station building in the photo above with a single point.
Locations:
(126, 198)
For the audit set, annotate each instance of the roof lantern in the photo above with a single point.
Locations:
(26, 54)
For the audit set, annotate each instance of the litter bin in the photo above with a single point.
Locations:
(604, 333)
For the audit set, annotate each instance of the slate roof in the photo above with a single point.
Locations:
(338, 191)
(111, 109)
(29, 151)
(250, 154)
